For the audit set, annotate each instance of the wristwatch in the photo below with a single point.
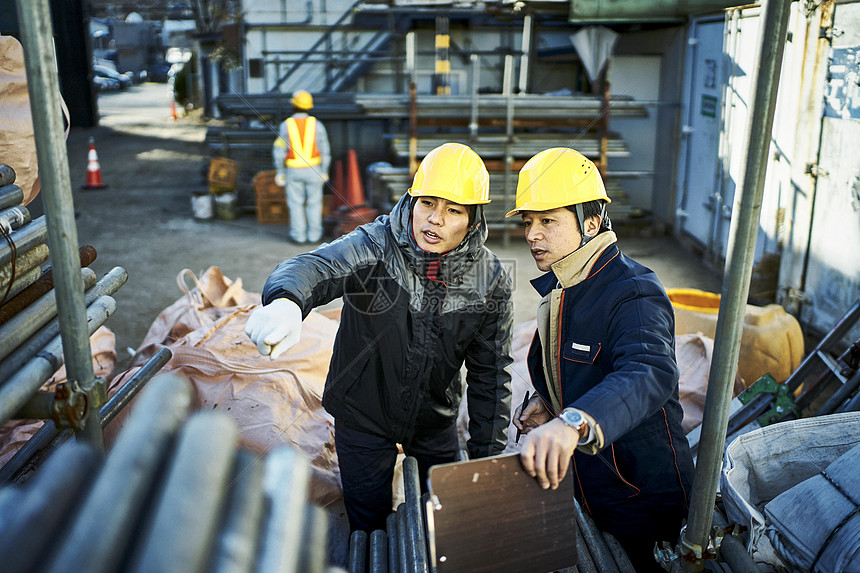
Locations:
(575, 420)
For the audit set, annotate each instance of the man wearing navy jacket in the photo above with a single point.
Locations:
(602, 363)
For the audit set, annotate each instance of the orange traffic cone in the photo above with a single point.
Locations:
(173, 114)
(354, 189)
(94, 170)
(337, 199)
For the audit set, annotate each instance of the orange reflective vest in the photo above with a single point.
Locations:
(303, 151)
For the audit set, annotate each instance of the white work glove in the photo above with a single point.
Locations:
(281, 180)
(276, 327)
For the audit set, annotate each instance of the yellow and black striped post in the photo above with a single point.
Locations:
(442, 77)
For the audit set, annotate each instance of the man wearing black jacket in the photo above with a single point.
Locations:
(422, 296)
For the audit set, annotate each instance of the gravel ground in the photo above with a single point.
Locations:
(143, 220)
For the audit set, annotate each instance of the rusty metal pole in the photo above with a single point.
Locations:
(43, 85)
(738, 270)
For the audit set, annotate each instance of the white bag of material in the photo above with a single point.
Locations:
(766, 462)
(815, 526)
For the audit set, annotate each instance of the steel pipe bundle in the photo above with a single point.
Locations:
(43, 284)
(26, 323)
(598, 548)
(22, 385)
(24, 262)
(24, 239)
(383, 105)
(402, 548)
(495, 106)
(48, 435)
(174, 494)
(185, 520)
(33, 318)
(523, 145)
(117, 499)
(42, 507)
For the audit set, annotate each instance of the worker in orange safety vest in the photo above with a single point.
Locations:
(302, 156)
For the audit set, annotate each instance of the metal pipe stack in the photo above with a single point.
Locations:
(175, 493)
(403, 547)
(30, 321)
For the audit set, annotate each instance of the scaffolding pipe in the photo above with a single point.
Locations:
(24, 261)
(13, 218)
(738, 270)
(40, 330)
(34, 317)
(23, 281)
(285, 484)
(357, 552)
(414, 520)
(45, 505)
(115, 503)
(312, 558)
(378, 552)
(393, 543)
(594, 541)
(43, 285)
(733, 551)
(48, 432)
(403, 552)
(10, 195)
(526, 51)
(130, 389)
(7, 177)
(34, 17)
(617, 551)
(509, 140)
(18, 389)
(186, 515)
(24, 239)
(237, 540)
(584, 562)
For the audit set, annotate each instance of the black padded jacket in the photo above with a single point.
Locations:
(410, 321)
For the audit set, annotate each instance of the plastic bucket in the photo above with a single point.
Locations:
(201, 206)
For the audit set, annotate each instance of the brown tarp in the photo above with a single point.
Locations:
(273, 402)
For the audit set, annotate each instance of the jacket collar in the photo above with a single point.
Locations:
(453, 263)
(575, 267)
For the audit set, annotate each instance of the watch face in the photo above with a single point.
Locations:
(572, 418)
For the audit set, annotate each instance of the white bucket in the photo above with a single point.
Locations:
(201, 206)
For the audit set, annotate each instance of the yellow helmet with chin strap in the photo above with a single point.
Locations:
(454, 172)
(557, 177)
(302, 100)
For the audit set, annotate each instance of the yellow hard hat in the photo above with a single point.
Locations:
(454, 172)
(302, 100)
(557, 177)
